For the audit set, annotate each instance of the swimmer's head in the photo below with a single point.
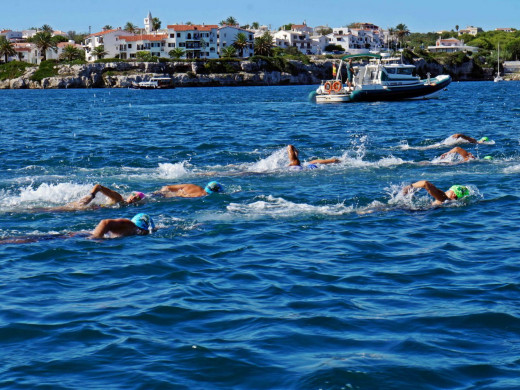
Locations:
(213, 187)
(135, 197)
(143, 221)
(483, 139)
(457, 192)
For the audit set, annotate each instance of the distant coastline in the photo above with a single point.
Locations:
(256, 71)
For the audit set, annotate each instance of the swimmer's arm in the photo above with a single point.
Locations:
(172, 188)
(462, 152)
(325, 161)
(465, 137)
(439, 195)
(116, 197)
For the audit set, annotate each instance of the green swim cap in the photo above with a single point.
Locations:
(460, 191)
(488, 158)
(483, 139)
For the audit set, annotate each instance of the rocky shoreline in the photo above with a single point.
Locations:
(196, 74)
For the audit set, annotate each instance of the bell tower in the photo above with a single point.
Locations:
(148, 25)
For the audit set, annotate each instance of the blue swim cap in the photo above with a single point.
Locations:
(213, 186)
(143, 221)
(311, 166)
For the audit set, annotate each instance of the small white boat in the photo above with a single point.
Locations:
(380, 79)
(498, 78)
(155, 83)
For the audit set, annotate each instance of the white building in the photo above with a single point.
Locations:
(13, 36)
(470, 30)
(154, 44)
(227, 35)
(109, 39)
(451, 45)
(300, 40)
(197, 41)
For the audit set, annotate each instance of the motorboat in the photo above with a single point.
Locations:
(382, 78)
(155, 83)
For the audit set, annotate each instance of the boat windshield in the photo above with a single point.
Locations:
(399, 70)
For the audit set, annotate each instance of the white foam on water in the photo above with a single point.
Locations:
(276, 161)
(172, 171)
(274, 207)
(45, 195)
(512, 169)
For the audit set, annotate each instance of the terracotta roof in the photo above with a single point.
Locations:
(4, 31)
(65, 44)
(194, 27)
(146, 37)
(107, 32)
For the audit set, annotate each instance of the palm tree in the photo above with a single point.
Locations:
(71, 53)
(264, 44)
(176, 53)
(230, 21)
(457, 28)
(6, 48)
(402, 31)
(47, 28)
(107, 27)
(43, 41)
(228, 51)
(130, 27)
(203, 45)
(255, 25)
(241, 43)
(99, 52)
(189, 23)
(156, 24)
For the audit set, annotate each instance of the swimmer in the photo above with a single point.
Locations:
(469, 139)
(455, 192)
(189, 190)
(294, 161)
(466, 156)
(139, 225)
(115, 198)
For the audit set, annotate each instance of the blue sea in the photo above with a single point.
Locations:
(328, 278)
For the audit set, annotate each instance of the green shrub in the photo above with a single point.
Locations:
(224, 65)
(47, 69)
(107, 60)
(13, 70)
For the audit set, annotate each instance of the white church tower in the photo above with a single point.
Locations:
(148, 23)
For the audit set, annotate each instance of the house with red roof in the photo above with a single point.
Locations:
(227, 35)
(155, 44)
(197, 40)
(109, 39)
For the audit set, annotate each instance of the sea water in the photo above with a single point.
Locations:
(291, 279)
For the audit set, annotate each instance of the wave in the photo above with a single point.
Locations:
(450, 141)
(281, 208)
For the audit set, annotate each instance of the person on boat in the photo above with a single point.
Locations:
(470, 139)
(189, 190)
(455, 192)
(350, 73)
(140, 225)
(114, 196)
(466, 156)
(294, 161)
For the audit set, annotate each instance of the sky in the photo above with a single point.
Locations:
(417, 15)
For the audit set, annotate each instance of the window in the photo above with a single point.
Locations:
(178, 35)
(188, 36)
(172, 35)
(129, 45)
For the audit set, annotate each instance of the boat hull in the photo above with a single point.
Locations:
(422, 90)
